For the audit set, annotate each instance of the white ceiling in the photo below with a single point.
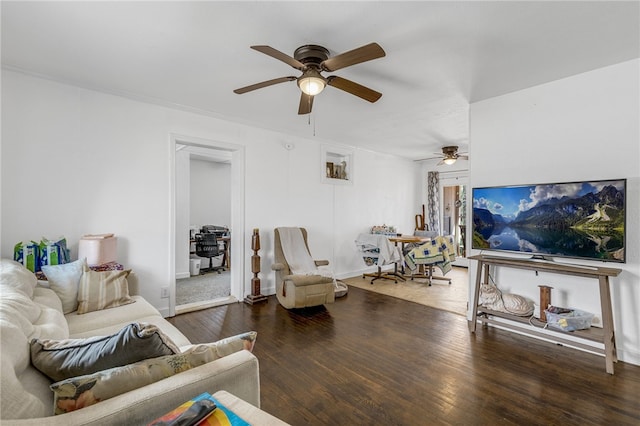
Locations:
(441, 56)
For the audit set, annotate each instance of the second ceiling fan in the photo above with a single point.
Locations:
(312, 60)
(450, 155)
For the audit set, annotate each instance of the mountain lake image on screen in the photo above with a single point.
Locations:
(584, 220)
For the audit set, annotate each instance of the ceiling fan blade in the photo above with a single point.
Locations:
(440, 163)
(274, 53)
(264, 84)
(353, 88)
(427, 158)
(306, 103)
(463, 157)
(352, 57)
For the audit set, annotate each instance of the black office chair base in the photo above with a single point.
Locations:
(218, 269)
(207, 270)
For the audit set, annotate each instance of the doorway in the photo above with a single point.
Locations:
(206, 156)
(208, 279)
(453, 211)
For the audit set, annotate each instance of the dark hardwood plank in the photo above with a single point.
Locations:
(374, 359)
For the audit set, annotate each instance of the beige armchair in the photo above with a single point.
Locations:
(305, 286)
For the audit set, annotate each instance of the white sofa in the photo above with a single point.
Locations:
(29, 311)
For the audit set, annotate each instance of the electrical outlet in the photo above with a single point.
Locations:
(164, 292)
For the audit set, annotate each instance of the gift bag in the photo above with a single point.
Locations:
(53, 252)
(28, 254)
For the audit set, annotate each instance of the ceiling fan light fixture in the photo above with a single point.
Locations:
(449, 161)
(311, 82)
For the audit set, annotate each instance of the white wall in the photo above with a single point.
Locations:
(76, 161)
(585, 127)
(210, 186)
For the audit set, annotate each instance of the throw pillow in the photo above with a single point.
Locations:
(78, 392)
(63, 280)
(227, 346)
(61, 359)
(102, 290)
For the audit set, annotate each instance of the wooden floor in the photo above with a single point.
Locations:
(372, 359)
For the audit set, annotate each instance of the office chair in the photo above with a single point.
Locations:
(223, 235)
(207, 246)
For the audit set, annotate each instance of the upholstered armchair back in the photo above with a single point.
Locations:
(299, 291)
(279, 254)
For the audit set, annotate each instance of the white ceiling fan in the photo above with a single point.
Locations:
(449, 155)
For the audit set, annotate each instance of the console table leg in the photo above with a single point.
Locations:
(610, 352)
(476, 294)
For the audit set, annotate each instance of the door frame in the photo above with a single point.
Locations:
(237, 225)
(457, 178)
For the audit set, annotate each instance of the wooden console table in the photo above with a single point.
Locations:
(606, 335)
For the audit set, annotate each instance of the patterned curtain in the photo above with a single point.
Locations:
(433, 201)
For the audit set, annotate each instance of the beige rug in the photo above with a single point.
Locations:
(439, 295)
(203, 287)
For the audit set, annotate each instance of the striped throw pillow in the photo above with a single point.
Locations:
(102, 290)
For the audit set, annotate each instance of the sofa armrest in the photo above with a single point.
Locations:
(277, 267)
(321, 262)
(237, 373)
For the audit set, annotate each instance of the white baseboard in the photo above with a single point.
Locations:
(631, 357)
(181, 275)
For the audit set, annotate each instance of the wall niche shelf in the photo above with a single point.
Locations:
(604, 335)
(337, 165)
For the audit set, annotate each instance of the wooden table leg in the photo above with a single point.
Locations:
(610, 352)
(476, 294)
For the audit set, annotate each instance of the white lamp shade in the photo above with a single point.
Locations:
(311, 85)
(449, 161)
(311, 82)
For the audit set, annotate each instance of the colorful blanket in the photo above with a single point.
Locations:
(438, 251)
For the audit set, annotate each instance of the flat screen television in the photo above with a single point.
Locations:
(583, 220)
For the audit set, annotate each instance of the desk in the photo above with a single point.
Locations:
(226, 257)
